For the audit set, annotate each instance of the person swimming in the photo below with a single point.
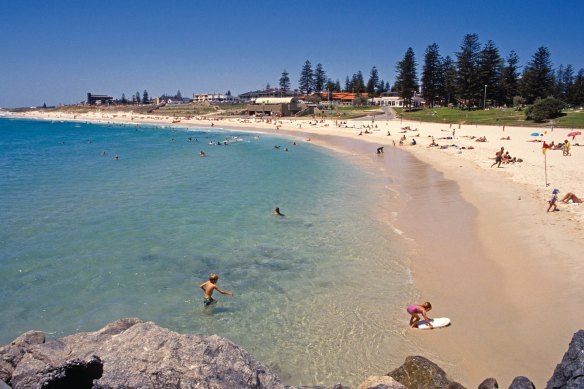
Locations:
(277, 212)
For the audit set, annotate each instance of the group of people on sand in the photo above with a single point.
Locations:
(569, 198)
(504, 157)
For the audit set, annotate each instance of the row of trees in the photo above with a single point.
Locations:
(317, 81)
(479, 75)
(476, 76)
(136, 99)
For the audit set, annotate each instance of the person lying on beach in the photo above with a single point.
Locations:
(571, 197)
(416, 310)
(277, 212)
(508, 159)
(208, 288)
(553, 200)
(481, 139)
(506, 138)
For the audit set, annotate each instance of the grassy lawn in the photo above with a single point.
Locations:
(508, 117)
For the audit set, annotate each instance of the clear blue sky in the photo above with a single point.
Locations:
(56, 51)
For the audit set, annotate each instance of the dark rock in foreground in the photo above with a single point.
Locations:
(420, 373)
(130, 353)
(569, 374)
(138, 354)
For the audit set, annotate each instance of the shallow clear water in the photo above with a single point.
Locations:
(86, 239)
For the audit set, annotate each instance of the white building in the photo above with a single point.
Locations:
(391, 99)
(214, 98)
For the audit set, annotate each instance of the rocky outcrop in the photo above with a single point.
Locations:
(569, 374)
(521, 382)
(489, 383)
(420, 373)
(137, 354)
(11, 354)
(130, 353)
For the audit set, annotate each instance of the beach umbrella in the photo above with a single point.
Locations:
(535, 134)
(574, 133)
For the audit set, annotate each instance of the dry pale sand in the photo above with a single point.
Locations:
(484, 249)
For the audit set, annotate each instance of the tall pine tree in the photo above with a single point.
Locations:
(373, 82)
(509, 79)
(538, 77)
(468, 84)
(306, 80)
(432, 76)
(319, 78)
(490, 64)
(406, 82)
(284, 81)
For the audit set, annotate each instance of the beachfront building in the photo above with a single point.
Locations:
(392, 99)
(98, 99)
(214, 98)
(333, 98)
(250, 97)
(274, 106)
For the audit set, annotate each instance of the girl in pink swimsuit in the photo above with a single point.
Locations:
(416, 310)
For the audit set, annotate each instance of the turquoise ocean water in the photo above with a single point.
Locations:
(86, 239)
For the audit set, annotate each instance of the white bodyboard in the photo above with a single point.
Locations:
(438, 322)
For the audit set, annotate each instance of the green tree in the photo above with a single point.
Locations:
(178, 95)
(406, 82)
(306, 80)
(285, 81)
(538, 77)
(468, 84)
(578, 89)
(509, 80)
(567, 84)
(338, 86)
(447, 90)
(489, 71)
(358, 82)
(542, 110)
(348, 85)
(432, 74)
(124, 100)
(319, 78)
(138, 97)
(145, 98)
(373, 82)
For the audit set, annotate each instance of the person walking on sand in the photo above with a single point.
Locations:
(208, 288)
(498, 157)
(553, 200)
(416, 310)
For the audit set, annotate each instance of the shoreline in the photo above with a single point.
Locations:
(509, 275)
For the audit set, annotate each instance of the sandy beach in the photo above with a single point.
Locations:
(484, 250)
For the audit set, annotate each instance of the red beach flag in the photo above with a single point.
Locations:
(544, 148)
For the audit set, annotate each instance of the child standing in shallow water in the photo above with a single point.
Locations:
(208, 288)
(416, 310)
